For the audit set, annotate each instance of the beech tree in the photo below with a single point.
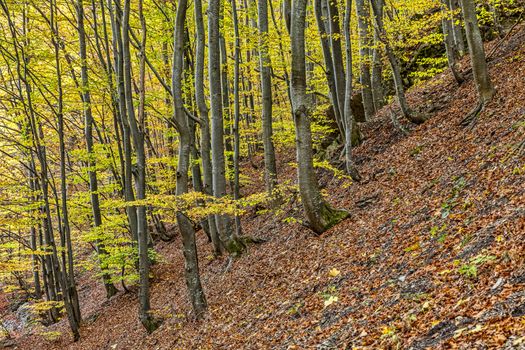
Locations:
(185, 226)
(477, 58)
(123, 123)
(270, 166)
(363, 14)
(321, 216)
(450, 45)
(93, 182)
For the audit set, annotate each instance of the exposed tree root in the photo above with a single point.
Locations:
(229, 264)
(354, 173)
(471, 118)
(397, 124)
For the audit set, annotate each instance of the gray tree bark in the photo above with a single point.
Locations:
(448, 39)
(237, 115)
(363, 14)
(147, 320)
(70, 291)
(337, 54)
(224, 227)
(205, 123)
(118, 52)
(348, 118)
(88, 125)
(377, 72)
(329, 65)
(459, 39)
(270, 167)
(321, 216)
(477, 52)
(193, 282)
(378, 6)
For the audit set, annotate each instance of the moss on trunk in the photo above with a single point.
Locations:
(329, 217)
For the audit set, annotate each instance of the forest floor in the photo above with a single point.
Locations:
(432, 256)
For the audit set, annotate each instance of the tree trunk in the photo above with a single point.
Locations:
(459, 39)
(224, 227)
(349, 162)
(137, 135)
(477, 52)
(237, 116)
(68, 269)
(321, 216)
(270, 166)
(205, 123)
(337, 54)
(88, 125)
(129, 195)
(377, 6)
(185, 226)
(363, 14)
(377, 73)
(226, 105)
(448, 38)
(329, 66)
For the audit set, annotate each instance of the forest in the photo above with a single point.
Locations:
(262, 174)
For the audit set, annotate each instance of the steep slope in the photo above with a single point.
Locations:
(432, 256)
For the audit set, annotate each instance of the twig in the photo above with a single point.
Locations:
(493, 51)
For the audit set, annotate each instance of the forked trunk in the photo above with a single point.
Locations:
(321, 215)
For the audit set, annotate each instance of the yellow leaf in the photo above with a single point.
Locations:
(413, 247)
(476, 329)
(334, 272)
(332, 299)
(459, 332)
(388, 330)
(461, 302)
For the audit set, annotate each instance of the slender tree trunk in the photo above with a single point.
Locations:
(337, 53)
(193, 282)
(329, 65)
(377, 73)
(227, 112)
(363, 14)
(270, 166)
(68, 269)
(459, 39)
(377, 6)
(448, 38)
(237, 116)
(118, 51)
(34, 264)
(224, 227)
(349, 120)
(205, 124)
(477, 52)
(88, 125)
(321, 216)
(147, 320)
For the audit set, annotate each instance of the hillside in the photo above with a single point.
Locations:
(431, 257)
